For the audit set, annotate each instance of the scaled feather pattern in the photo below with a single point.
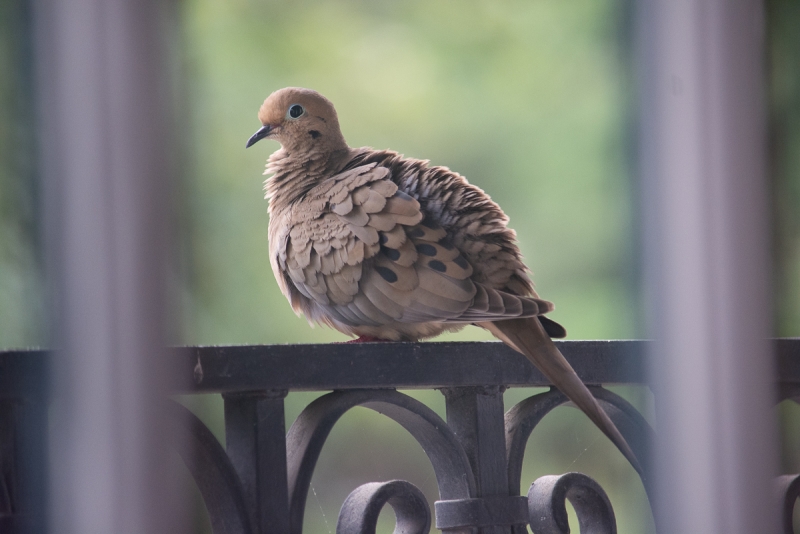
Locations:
(375, 244)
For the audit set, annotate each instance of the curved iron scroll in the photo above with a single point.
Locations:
(310, 430)
(788, 492)
(213, 473)
(547, 505)
(360, 511)
(489, 511)
(788, 485)
(789, 391)
(523, 418)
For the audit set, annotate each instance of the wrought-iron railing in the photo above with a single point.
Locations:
(258, 483)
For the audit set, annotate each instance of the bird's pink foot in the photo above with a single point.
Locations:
(365, 339)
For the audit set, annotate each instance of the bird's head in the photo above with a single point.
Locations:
(301, 120)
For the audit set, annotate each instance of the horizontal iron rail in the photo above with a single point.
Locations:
(402, 365)
(231, 369)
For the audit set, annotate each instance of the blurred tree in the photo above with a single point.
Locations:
(22, 321)
(526, 99)
(783, 45)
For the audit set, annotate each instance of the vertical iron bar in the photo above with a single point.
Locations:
(477, 416)
(707, 263)
(102, 109)
(255, 438)
(9, 473)
(22, 468)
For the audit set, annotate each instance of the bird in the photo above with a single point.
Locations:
(390, 248)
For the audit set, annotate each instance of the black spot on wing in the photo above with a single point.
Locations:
(461, 262)
(387, 274)
(436, 265)
(426, 249)
(383, 238)
(430, 223)
(391, 253)
(447, 244)
(416, 232)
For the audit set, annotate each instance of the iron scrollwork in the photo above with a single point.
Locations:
(214, 475)
(467, 503)
(359, 513)
(788, 486)
(788, 492)
(548, 513)
(309, 432)
(263, 477)
(523, 418)
(461, 508)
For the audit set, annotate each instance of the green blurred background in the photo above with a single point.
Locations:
(532, 100)
(526, 99)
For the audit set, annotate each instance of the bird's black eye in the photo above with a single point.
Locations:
(295, 110)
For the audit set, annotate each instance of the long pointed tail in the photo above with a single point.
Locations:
(529, 337)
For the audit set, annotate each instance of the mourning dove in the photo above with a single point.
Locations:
(385, 247)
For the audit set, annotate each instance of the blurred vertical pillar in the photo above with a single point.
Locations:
(707, 263)
(103, 107)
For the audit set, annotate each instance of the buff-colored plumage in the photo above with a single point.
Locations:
(375, 244)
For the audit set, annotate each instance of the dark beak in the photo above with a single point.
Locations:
(259, 135)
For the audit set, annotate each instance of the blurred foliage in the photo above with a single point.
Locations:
(783, 45)
(21, 284)
(523, 98)
(530, 100)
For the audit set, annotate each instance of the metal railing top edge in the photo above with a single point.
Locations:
(427, 365)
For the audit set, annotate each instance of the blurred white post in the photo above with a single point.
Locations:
(707, 264)
(103, 124)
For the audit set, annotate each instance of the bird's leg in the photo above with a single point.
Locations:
(365, 339)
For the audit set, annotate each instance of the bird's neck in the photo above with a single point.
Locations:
(295, 174)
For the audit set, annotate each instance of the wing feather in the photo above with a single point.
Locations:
(368, 256)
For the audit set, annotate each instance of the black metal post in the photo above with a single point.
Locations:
(8, 465)
(255, 438)
(476, 415)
